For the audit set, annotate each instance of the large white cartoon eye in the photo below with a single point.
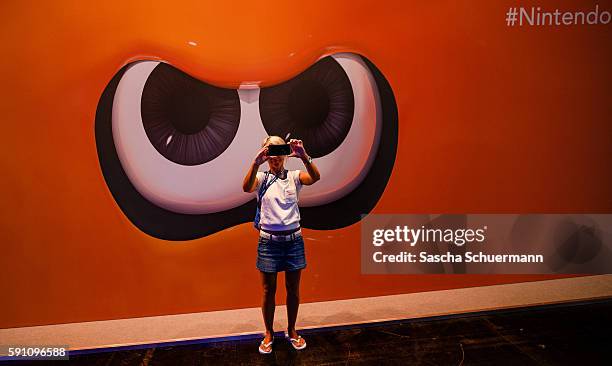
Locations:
(334, 108)
(316, 106)
(187, 121)
(180, 141)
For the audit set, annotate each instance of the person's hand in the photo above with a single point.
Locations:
(297, 149)
(262, 156)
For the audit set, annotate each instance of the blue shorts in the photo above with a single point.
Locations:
(278, 256)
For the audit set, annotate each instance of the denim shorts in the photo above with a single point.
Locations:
(278, 256)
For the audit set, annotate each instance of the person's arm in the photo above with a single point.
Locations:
(311, 175)
(250, 182)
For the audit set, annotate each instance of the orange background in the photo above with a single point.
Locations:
(492, 119)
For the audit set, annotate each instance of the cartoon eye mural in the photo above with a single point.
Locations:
(174, 150)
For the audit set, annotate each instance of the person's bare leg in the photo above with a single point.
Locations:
(268, 281)
(292, 284)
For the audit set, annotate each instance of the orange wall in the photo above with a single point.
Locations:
(492, 119)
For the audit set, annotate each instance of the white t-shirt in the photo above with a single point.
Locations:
(279, 205)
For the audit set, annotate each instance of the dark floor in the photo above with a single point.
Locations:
(570, 334)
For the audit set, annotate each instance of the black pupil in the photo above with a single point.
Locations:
(309, 103)
(188, 112)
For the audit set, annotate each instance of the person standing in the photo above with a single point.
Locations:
(280, 246)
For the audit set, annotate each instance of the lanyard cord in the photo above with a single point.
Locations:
(267, 185)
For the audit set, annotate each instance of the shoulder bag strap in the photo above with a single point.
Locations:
(264, 187)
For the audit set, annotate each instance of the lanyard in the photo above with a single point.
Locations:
(267, 185)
